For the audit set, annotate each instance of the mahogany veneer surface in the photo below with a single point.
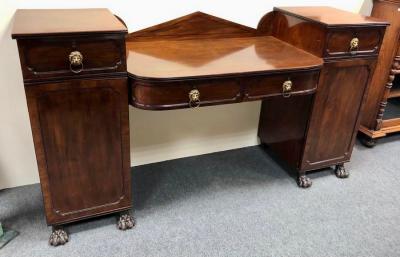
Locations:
(330, 16)
(171, 59)
(80, 120)
(64, 21)
(374, 124)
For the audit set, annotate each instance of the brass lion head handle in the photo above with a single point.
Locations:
(287, 88)
(354, 44)
(75, 61)
(194, 98)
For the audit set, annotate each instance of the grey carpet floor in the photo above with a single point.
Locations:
(234, 203)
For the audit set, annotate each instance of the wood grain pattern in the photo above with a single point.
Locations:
(225, 69)
(167, 95)
(193, 26)
(81, 136)
(327, 41)
(47, 57)
(338, 42)
(333, 128)
(57, 22)
(262, 86)
(290, 29)
(283, 127)
(215, 57)
(330, 16)
(173, 95)
(342, 86)
(80, 124)
(381, 83)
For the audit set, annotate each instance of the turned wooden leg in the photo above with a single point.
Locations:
(58, 237)
(367, 141)
(341, 172)
(125, 221)
(303, 181)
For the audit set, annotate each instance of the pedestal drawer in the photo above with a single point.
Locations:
(57, 57)
(353, 42)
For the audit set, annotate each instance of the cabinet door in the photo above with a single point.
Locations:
(81, 135)
(335, 115)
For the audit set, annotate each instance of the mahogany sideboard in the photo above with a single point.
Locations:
(377, 119)
(310, 67)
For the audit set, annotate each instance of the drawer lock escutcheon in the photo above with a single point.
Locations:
(75, 62)
(354, 45)
(194, 98)
(287, 88)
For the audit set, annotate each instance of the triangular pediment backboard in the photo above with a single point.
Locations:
(195, 25)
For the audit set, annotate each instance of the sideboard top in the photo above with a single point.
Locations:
(331, 16)
(170, 59)
(35, 22)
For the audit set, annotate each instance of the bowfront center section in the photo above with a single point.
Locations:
(182, 71)
(213, 91)
(164, 74)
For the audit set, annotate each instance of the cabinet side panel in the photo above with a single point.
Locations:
(282, 126)
(335, 115)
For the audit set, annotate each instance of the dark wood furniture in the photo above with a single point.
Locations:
(349, 45)
(377, 118)
(312, 88)
(78, 110)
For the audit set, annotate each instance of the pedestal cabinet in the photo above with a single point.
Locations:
(76, 87)
(332, 129)
(81, 134)
(349, 45)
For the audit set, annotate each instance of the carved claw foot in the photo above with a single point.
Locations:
(303, 181)
(341, 172)
(58, 237)
(367, 141)
(125, 222)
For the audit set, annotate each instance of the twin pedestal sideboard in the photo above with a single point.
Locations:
(310, 67)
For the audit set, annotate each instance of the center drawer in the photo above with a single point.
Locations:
(184, 94)
(161, 95)
(56, 57)
(286, 84)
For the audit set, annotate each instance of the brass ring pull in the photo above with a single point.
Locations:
(194, 98)
(75, 62)
(354, 45)
(287, 88)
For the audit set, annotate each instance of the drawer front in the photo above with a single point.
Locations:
(349, 42)
(44, 58)
(273, 85)
(173, 95)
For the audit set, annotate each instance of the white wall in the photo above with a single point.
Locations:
(155, 136)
